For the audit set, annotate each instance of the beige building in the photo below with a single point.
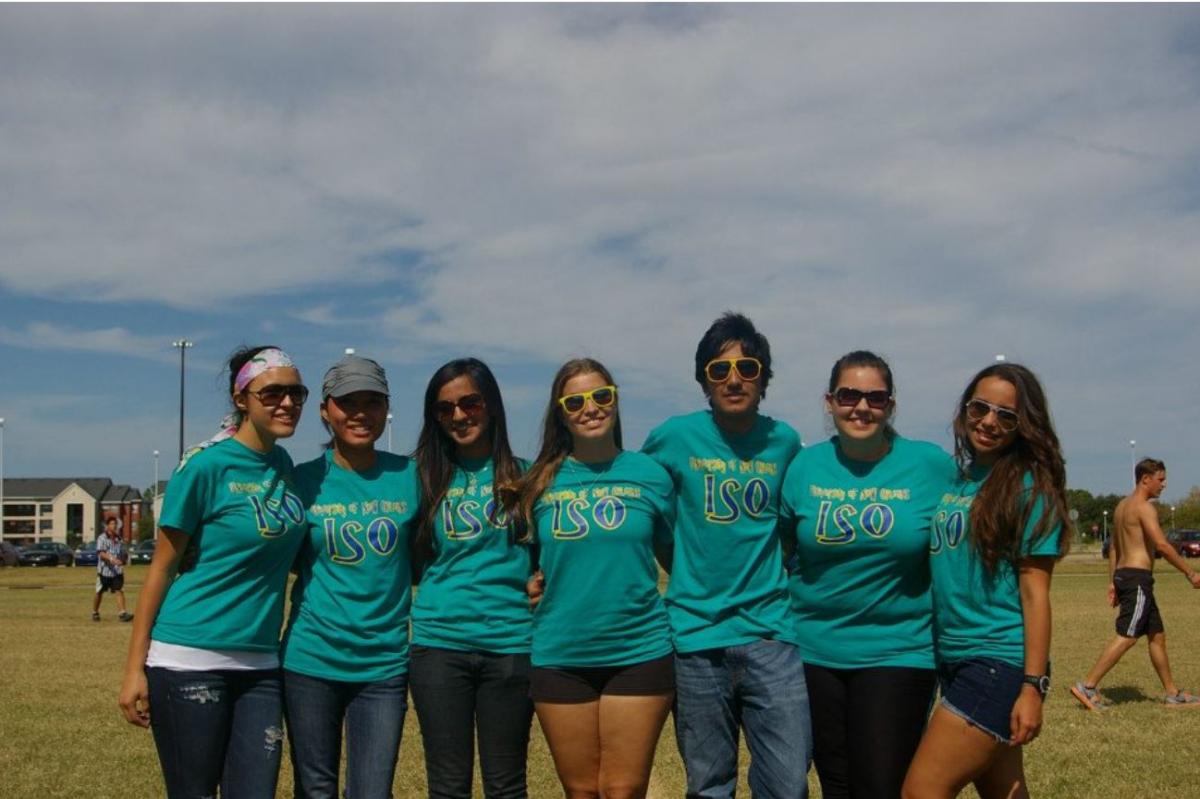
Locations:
(70, 510)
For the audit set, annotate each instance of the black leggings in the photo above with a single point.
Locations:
(866, 726)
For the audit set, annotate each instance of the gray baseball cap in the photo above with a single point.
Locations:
(351, 374)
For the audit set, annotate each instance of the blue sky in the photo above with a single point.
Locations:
(529, 183)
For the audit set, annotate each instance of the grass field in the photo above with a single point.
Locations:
(61, 734)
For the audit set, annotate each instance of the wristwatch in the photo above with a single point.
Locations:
(1040, 682)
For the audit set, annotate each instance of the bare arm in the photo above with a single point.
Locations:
(1034, 582)
(135, 700)
(1154, 534)
(1113, 557)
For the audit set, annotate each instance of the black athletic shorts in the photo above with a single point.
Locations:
(110, 584)
(575, 685)
(1135, 594)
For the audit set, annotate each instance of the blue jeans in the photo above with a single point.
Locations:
(373, 713)
(217, 728)
(460, 694)
(760, 688)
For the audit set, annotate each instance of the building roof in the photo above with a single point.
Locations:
(121, 493)
(43, 488)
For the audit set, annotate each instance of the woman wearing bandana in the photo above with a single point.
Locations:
(203, 665)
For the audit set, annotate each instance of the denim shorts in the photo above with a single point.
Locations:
(982, 691)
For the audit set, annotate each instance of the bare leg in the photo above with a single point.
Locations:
(120, 601)
(573, 733)
(952, 754)
(1158, 656)
(96, 601)
(629, 731)
(1116, 648)
(1005, 778)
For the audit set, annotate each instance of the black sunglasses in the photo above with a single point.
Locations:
(850, 397)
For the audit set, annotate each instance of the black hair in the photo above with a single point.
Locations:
(1148, 466)
(730, 328)
(437, 456)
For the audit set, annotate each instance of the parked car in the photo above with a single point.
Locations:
(1187, 542)
(9, 554)
(47, 553)
(143, 551)
(86, 554)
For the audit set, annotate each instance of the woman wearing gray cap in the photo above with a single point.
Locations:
(471, 618)
(345, 653)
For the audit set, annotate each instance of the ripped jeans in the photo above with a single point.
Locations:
(217, 728)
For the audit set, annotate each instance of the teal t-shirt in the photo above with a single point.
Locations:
(728, 585)
(472, 594)
(860, 577)
(350, 603)
(245, 522)
(976, 615)
(597, 526)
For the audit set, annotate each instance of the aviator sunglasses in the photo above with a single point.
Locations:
(603, 397)
(1006, 418)
(718, 370)
(850, 397)
(471, 405)
(273, 395)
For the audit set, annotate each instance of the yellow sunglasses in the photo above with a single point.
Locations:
(602, 397)
(718, 370)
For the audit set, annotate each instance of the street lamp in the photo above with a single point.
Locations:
(1133, 458)
(184, 345)
(1105, 526)
(154, 492)
(389, 425)
(1172, 518)
(1, 478)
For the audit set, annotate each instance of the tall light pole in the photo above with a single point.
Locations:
(1, 478)
(154, 492)
(1105, 526)
(1172, 518)
(184, 345)
(389, 425)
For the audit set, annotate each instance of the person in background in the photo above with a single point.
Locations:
(1136, 537)
(111, 557)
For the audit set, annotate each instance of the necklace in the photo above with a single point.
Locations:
(584, 490)
(473, 477)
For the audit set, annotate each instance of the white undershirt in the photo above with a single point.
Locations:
(176, 657)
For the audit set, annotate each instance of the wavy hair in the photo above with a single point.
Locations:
(1001, 512)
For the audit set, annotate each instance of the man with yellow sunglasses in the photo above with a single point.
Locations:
(736, 658)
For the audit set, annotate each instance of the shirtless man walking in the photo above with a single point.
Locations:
(1136, 536)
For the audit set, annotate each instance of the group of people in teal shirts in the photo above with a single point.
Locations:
(819, 598)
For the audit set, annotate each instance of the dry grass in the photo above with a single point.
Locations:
(61, 735)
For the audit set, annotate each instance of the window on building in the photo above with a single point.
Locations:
(46, 525)
(46, 509)
(17, 526)
(20, 510)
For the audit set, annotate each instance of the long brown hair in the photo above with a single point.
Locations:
(437, 456)
(557, 444)
(999, 515)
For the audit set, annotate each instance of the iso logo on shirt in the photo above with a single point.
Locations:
(570, 520)
(273, 515)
